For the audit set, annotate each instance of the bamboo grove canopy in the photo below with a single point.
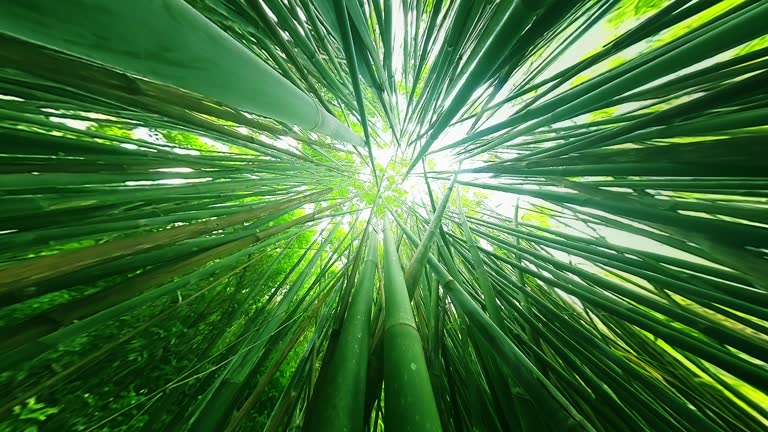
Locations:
(418, 215)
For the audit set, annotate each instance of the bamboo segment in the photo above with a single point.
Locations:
(337, 404)
(410, 404)
(419, 260)
(36, 270)
(170, 42)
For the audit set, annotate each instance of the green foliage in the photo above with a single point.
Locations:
(112, 130)
(603, 270)
(28, 416)
(185, 139)
(633, 9)
(755, 45)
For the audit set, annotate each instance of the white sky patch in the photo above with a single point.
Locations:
(384, 154)
(213, 143)
(99, 116)
(135, 147)
(308, 208)
(77, 124)
(505, 203)
(417, 191)
(176, 170)
(145, 134)
(176, 181)
(186, 151)
(286, 143)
